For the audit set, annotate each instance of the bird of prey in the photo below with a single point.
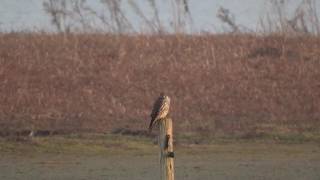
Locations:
(160, 109)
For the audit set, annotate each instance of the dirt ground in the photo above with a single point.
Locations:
(219, 161)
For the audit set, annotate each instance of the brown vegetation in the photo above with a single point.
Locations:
(103, 82)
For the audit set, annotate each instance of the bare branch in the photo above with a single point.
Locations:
(224, 15)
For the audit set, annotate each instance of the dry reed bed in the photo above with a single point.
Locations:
(223, 83)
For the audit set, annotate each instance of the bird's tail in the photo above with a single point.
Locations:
(150, 125)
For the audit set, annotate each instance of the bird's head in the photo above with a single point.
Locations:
(164, 96)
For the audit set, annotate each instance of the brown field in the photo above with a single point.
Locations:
(221, 84)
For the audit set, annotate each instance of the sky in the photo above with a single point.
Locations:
(19, 15)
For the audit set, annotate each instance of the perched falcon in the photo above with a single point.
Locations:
(160, 109)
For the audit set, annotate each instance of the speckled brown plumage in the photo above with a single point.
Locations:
(160, 110)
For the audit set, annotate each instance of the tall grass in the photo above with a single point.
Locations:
(220, 83)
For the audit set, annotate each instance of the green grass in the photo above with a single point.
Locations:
(109, 156)
(271, 137)
(77, 143)
(117, 144)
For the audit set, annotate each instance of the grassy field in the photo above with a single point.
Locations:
(243, 106)
(127, 157)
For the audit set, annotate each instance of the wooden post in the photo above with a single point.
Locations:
(166, 149)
